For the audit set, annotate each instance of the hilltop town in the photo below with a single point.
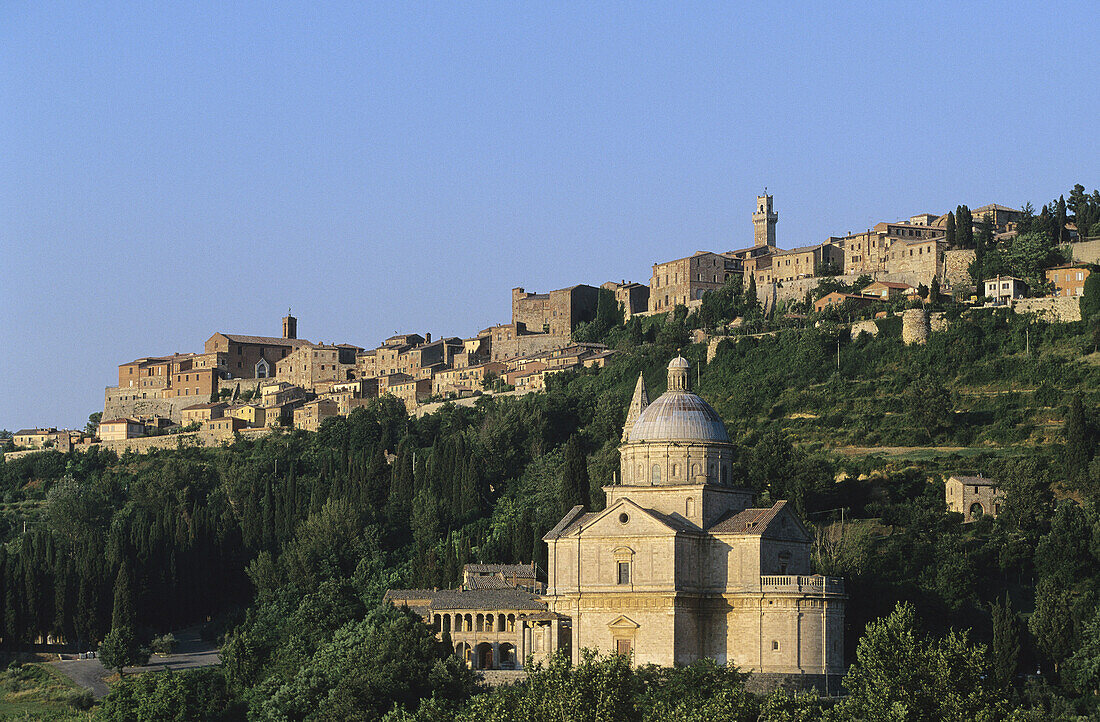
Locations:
(242, 382)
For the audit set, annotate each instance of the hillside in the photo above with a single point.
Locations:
(286, 539)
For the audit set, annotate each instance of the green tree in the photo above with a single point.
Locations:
(575, 483)
(950, 229)
(120, 648)
(1080, 441)
(92, 427)
(900, 674)
(1005, 650)
(928, 404)
(390, 658)
(1082, 669)
(1052, 621)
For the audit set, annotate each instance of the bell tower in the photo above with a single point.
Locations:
(764, 219)
(290, 326)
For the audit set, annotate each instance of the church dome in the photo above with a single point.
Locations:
(679, 415)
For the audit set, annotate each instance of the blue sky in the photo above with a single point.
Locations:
(174, 169)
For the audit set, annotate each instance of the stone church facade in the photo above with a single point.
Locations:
(679, 566)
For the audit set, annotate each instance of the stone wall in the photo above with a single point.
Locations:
(118, 403)
(868, 327)
(1086, 251)
(1057, 309)
(956, 267)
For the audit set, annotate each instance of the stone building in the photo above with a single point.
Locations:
(633, 298)
(556, 313)
(490, 628)
(685, 280)
(1068, 280)
(254, 357)
(41, 438)
(310, 415)
(678, 567)
(197, 413)
(465, 380)
(916, 259)
(795, 263)
(973, 496)
(118, 429)
(1003, 289)
(868, 252)
(317, 367)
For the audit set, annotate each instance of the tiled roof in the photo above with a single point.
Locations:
(467, 599)
(212, 405)
(267, 340)
(890, 284)
(525, 571)
(566, 521)
(487, 582)
(752, 522)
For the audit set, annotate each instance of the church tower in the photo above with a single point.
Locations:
(764, 219)
(290, 326)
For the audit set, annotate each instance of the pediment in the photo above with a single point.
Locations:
(625, 518)
(623, 622)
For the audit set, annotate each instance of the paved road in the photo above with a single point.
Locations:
(191, 652)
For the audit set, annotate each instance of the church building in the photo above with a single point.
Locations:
(679, 566)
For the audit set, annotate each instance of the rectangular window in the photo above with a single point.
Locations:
(622, 646)
(624, 573)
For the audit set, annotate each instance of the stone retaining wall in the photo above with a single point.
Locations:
(1058, 309)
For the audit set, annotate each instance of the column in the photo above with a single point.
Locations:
(553, 646)
(521, 644)
(495, 663)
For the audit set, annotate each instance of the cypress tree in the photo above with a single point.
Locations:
(750, 296)
(1079, 442)
(1061, 235)
(1006, 643)
(122, 613)
(575, 488)
(950, 229)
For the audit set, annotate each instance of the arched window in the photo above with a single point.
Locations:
(695, 470)
(675, 471)
(689, 511)
(655, 474)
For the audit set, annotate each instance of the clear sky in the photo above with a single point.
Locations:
(172, 169)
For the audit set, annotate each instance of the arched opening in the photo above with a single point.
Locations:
(480, 623)
(695, 470)
(689, 510)
(655, 474)
(490, 622)
(500, 623)
(511, 622)
(976, 510)
(483, 654)
(468, 624)
(446, 622)
(507, 656)
(437, 623)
